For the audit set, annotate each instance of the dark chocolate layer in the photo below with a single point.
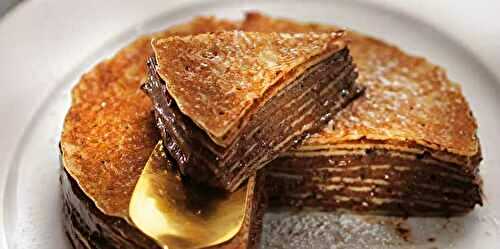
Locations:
(301, 108)
(87, 227)
(376, 181)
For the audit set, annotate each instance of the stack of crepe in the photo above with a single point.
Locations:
(407, 146)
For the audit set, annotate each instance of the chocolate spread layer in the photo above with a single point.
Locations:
(301, 108)
(378, 181)
(87, 227)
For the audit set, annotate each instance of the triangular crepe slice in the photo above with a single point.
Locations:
(408, 146)
(229, 102)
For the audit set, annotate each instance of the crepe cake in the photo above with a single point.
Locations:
(98, 177)
(108, 135)
(229, 102)
(408, 146)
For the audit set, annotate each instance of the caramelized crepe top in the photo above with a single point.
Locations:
(109, 132)
(407, 98)
(216, 78)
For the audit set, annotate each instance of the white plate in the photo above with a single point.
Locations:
(46, 45)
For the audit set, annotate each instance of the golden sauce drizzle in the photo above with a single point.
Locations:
(178, 215)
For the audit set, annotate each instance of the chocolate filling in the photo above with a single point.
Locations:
(377, 182)
(301, 108)
(87, 227)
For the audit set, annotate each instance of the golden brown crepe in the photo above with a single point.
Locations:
(229, 102)
(108, 136)
(408, 146)
(109, 133)
(230, 73)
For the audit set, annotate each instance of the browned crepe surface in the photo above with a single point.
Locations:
(407, 99)
(217, 78)
(109, 132)
(410, 108)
